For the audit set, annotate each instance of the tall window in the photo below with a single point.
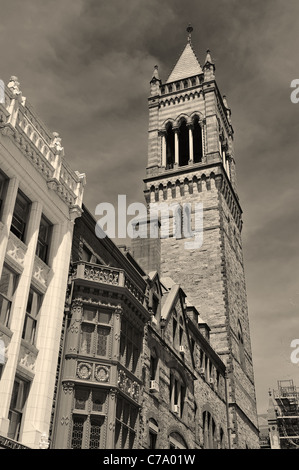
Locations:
(241, 346)
(209, 431)
(20, 216)
(31, 318)
(177, 393)
(183, 144)
(130, 347)
(3, 185)
(126, 423)
(197, 141)
(95, 332)
(88, 419)
(44, 236)
(8, 284)
(169, 147)
(153, 433)
(17, 405)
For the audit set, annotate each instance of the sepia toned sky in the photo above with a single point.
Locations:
(85, 66)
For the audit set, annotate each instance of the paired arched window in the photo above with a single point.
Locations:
(184, 144)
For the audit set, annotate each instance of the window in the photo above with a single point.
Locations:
(181, 331)
(197, 141)
(130, 347)
(153, 433)
(176, 441)
(88, 256)
(20, 216)
(8, 283)
(209, 431)
(17, 405)
(95, 332)
(31, 318)
(44, 236)
(183, 144)
(3, 186)
(88, 418)
(169, 147)
(241, 346)
(126, 423)
(177, 393)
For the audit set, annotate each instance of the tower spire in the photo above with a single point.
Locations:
(189, 31)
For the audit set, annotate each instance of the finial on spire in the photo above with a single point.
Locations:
(189, 31)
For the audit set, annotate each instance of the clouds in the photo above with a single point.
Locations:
(85, 65)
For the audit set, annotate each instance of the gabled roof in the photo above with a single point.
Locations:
(186, 66)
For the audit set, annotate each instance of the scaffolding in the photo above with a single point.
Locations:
(287, 413)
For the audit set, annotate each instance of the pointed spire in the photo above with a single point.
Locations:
(155, 73)
(209, 59)
(189, 31)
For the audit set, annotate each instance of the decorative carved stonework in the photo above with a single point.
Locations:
(102, 373)
(128, 386)
(27, 358)
(16, 249)
(41, 272)
(107, 276)
(68, 387)
(84, 370)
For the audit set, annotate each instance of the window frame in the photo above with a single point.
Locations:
(21, 219)
(18, 408)
(32, 318)
(96, 325)
(8, 297)
(43, 245)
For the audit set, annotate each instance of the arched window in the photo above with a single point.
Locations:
(183, 144)
(176, 441)
(241, 345)
(209, 431)
(153, 430)
(169, 147)
(197, 141)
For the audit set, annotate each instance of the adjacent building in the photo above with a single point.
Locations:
(136, 368)
(40, 197)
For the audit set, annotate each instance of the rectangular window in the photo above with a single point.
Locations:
(44, 237)
(20, 216)
(8, 283)
(31, 318)
(95, 337)
(87, 418)
(125, 426)
(17, 404)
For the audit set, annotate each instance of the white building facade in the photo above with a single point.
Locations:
(40, 197)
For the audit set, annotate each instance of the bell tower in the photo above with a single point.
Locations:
(191, 160)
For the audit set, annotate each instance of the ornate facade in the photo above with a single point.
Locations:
(40, 197)
(136, 368)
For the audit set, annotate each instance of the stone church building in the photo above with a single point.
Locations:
(150, 346)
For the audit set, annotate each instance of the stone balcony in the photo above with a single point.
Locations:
(116, 277)
(15, 252)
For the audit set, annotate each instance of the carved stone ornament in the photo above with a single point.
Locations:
(68, 387)
(84, 371)
(101, 374)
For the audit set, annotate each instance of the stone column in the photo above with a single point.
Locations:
(112, 397)
(190, 127)
(8, 208)
(176, 147)
(18, 316)
(163, 137)
(116, 333)
(39, 403)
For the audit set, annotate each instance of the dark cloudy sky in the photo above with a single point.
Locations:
(85, 66)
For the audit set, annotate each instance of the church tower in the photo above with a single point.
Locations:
(190, 161)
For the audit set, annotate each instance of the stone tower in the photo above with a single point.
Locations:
(191, 160)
